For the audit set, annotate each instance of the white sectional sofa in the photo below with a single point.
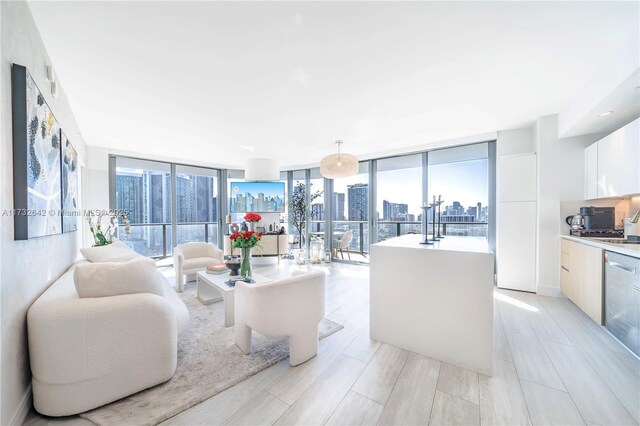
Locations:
(87, 352)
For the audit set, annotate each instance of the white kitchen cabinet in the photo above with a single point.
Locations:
(516, 222)
(517, 178)
(618, 159)
(516, 238)
(581, 277)
(591, 172)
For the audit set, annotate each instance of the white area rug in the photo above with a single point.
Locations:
(208, 363)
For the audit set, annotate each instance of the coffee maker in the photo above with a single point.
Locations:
(597, 222)
(599, 218)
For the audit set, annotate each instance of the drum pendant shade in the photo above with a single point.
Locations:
(339, 165)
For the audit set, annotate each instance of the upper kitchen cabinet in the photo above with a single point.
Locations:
(616, 168)
(591, 172)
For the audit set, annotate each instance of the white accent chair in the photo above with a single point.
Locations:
(290, 307)
(87, 352)
(189, 258)
(343, 243)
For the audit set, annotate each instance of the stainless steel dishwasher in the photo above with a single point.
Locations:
(622, 299)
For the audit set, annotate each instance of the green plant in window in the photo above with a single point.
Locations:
(299, 213)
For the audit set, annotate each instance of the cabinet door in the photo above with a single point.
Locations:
(608, 163)
(591, 172)
(517, 245)
(575, 272)
(629, 166)
(591, 282)
(565, 264)
(618, 158)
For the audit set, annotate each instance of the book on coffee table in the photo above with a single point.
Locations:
(217, 269)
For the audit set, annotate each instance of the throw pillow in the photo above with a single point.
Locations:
(104, 279)
(114, 252)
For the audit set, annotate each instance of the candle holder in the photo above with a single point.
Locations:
(433, 209)
(425, 210)
(440, 219)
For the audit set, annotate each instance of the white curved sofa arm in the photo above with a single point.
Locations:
(91, 351)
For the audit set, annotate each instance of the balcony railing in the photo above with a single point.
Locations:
(391, 228)
(154, 239)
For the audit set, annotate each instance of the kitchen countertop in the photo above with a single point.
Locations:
(449, 243)
(626, 249)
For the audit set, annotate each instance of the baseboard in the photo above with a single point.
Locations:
(549, 291)
(23, 409)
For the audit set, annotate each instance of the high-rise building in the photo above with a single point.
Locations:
(129, 191)
(317, 211)
(358, 195)
(457, 208)
(338, 206)
(473, 211)
(394, 211)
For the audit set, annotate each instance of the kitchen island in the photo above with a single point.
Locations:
(435, 300)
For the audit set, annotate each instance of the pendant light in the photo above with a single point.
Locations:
(339, 165)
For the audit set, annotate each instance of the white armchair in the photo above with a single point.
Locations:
(290, 307)
(189, 258)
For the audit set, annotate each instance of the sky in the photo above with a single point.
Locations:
(465, 181)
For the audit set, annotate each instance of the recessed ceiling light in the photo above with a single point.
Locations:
(603, 114)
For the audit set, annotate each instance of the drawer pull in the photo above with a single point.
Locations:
(564, 268)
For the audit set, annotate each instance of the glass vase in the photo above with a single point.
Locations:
(245, 263)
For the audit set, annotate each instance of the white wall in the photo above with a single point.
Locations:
(560, 179)
(28, 267)
(96, 184)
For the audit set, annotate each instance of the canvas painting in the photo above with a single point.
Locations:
(43, 165)
(69, 186)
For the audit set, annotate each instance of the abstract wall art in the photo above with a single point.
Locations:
(36, 160)
(69, 186)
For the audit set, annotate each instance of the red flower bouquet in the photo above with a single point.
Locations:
(252, 217)
(245, 239)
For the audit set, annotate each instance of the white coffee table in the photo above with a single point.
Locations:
(213, 288)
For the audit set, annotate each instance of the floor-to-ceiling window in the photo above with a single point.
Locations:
(316, 206)
(398, 195)
(197, 204)
(143, 191)
(350, 215)
(460, 176)
(371, 206)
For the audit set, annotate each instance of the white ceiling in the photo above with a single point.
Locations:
(214, 82)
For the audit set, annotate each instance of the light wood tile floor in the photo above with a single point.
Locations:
(552, 365)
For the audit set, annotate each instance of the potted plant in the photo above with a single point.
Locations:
(105, 237)
(245, 241)
(299, 212)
